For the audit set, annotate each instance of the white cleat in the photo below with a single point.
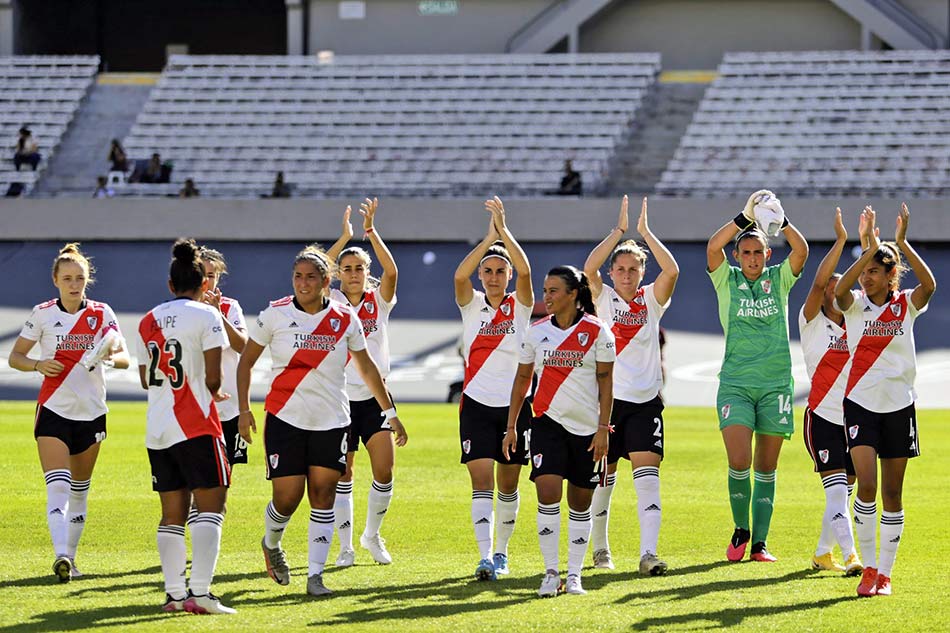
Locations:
(377, 547)
(315, 586)
(573, 585)
(208, 604)
(63, 568)
(173, 605)
(550, 584)
(74, 572)
(346, 558)
(650, 565)
(603, 560)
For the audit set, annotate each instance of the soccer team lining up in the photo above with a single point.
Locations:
(590, 369)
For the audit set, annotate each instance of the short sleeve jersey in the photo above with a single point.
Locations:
(232, 313)
(491, 340)
(638, 375)
(754, 317)
(171, 342)
(309, 354)
(827, 359)
(566, 364)
(883, 357)
(76, 393)
(373, 312)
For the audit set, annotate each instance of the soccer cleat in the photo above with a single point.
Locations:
(825, 562)
(315, 586)
(74, 572)
(173, 605)
(550, 584)
(485, 570)
(500, 563)
(602, 559)
(760, 554)
(62, 568)
(346, 558)
(573, 585)
(736, 550)
(853, 566)
(276, 563)
(883, 585)
(868, 585)
(651, 565)
(208, 604)
(377, 548)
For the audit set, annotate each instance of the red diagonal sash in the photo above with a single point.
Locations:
(70, 357)
(624, 332)
(870, 348)
(305, 360)
(484, 344)
(553, 376)
(827, 372)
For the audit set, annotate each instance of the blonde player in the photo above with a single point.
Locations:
(633, 313)
(179, 346)
(71, 409)
(572, 352)
(306, 432)
(372, 300)
(493, 325)
(879, 414)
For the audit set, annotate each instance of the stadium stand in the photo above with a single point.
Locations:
(820, 124)
(437, 125)
(44, 93)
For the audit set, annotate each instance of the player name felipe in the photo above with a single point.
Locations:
(66, 342)
(757, 308)
(321, 342)
(563, 358)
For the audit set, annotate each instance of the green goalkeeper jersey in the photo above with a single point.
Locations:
(754, 317)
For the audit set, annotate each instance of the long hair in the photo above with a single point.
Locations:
(575, 279)
(71, 253)
(208, 254)
(371, 283)
(889, 256)
(185, 273)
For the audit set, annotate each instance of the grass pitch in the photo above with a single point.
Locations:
(430, 586)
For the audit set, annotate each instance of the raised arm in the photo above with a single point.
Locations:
(665, 282)
(799, 254)
(869, 236)
(927, 284)
(715, 253)
(523, 288)
(825, 270)
(387, 282)
(345, 236)
(463, 274)
(602, 251)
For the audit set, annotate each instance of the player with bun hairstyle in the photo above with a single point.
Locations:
(879, 414)
(78, 338)
(306, 432)
(372, 300)
(572, 352)
(755, 381)
(179, 347)
(494, 322)
(633, 313)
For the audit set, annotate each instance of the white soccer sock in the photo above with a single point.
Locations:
(600, 511)
(506, 507)
(892, 526)
(549, 533)
(320, 534)
(377, 505)
(483, 520)
(646, 481)
(205, 545)
(343, 511)
(57, 499)
(274, 525)
(192, 513)
(76, 515)
(865, 524)
(171, 553)
(578, 535)
(837, 521)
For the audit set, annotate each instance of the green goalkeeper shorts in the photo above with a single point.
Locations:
(765, 410)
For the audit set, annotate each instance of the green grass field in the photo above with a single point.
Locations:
(430, 586)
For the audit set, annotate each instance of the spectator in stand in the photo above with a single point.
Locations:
(571, 184)
(189, 190)
(27, 150)
(103, 190)
(281, 189)
(155, 171)
(117, 156)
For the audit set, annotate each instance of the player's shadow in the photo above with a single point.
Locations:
(730, 617)
(691, 591)
(81, 619)
(49, 579)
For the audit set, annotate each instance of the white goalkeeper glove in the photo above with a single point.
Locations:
(769, 214)
(746, 217)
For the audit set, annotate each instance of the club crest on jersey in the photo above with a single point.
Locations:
(536, 458)
(505, 309)
(335, 325)
(767, 286)
(823, 456)
(466, 446)
(274, 459)
(725, 410)
(582, 338)
(92, 321)
(370, 308)
(895, 309)
(853, 431)
(639, 300)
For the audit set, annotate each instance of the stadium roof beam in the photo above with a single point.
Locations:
(559, 20)
(893, 23)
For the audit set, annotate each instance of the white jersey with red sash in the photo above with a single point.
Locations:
(171, 343)
(827, 359)
(309, 354)
(566, 364)
(491, 340)
(232, 313)
(883, 358)
(373, 312)
(76, 393)
(638, 374)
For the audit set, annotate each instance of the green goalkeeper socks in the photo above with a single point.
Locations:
(763, 498)
(740, 491)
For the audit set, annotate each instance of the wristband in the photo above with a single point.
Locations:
(617, 228)
(784, 223)
(369, 230)
(389, 413)
(742, 222)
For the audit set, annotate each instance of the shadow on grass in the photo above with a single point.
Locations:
(691, 591)
(50, 579)
(731, 617)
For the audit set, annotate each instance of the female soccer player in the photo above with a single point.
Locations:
(573, 353)
(825, 348)
(179, 350)
(305, 435)
(755, 382)
(879, 412)
(372, 300)
(71, 410)
(633, 314)
(493, 325)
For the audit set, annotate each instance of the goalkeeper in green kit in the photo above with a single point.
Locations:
(755, 381)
